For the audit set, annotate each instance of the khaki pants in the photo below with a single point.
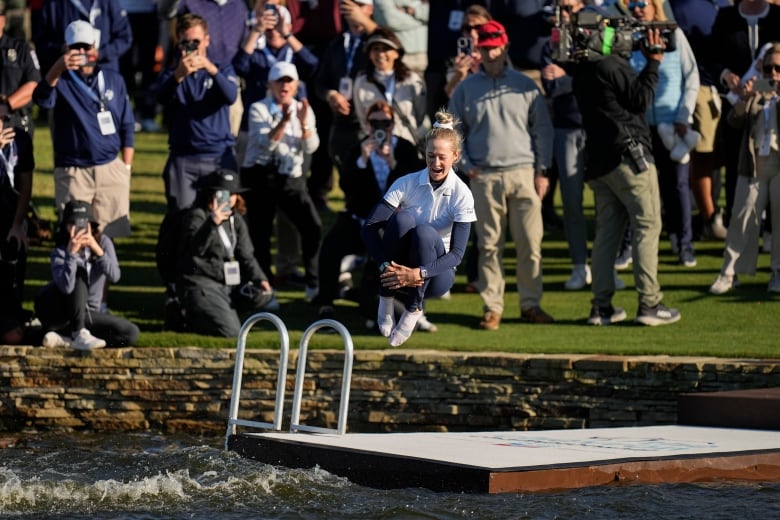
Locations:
(623, 196)
(502, 198)
(106, 187)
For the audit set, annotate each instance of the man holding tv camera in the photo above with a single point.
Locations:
(613, 100)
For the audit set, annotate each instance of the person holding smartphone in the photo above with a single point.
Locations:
(82, 262)
(220, 281)
(758, 183)
(16, 173)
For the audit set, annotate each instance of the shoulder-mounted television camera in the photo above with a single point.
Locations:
(587, 35)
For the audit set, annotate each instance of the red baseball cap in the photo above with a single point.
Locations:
(492, 34)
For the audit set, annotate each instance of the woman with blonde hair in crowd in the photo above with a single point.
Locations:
(419, 231)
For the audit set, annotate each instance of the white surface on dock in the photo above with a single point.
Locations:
(544, 449)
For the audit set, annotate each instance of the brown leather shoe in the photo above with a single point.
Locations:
(535, 315)
(490, 321)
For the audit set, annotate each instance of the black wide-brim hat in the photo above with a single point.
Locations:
(221, 179)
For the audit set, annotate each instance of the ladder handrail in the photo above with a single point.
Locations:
(238, 369)
(300, 373)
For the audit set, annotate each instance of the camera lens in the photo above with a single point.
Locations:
(380, 135)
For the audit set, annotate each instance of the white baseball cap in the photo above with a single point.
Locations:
(80, 31)
(283, 69)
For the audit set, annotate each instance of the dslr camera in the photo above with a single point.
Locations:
(588, 35)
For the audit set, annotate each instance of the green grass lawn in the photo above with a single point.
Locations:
(743, 323)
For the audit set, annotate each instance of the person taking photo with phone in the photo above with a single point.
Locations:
(220, 282)
(83, 261)
(94, 135)
(758, 183)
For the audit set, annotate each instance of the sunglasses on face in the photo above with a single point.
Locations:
(634, 5)
(80, 47)
(770, 68)
(380, 124)
(469, 28)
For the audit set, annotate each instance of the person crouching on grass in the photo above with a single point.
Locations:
(83, 261)
(419, 231)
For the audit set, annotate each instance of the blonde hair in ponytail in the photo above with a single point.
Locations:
(444, 128)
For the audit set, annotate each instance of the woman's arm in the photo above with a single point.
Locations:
(370, 232)
(458, 242)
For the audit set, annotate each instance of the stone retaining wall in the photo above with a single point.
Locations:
(188, 389)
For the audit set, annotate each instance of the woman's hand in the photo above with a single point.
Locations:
(81, 238)
(302, 111)
(366, 147)
(397, 276)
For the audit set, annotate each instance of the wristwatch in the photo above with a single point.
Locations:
(424, 273)
(383, 266)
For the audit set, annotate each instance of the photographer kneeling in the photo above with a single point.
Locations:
(613, 99)
(220, 279)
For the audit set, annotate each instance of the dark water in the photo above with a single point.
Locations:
(145, 476)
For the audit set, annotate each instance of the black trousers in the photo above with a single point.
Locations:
(268, 191)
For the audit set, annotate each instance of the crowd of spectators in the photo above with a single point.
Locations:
(262, 99)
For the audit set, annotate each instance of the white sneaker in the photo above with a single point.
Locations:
(84, 340)
(426, 326)
(52, 340)
(580, 277)
(774, 282)
(619, 284)
(723, 284)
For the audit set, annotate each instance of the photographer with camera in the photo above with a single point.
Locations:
(83, 261)
(94, 124)
(220, 282)
(613, 100)
(758, 184)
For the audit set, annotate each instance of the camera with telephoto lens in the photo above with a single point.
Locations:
(380, 128)
(588, 35)
(380, 136)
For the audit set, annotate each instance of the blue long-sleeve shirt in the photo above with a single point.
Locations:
(199, 111)
(76, 101)
(64, 267)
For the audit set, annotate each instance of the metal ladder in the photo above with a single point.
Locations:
(300, 373)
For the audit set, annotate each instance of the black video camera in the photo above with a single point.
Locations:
(590, 35)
